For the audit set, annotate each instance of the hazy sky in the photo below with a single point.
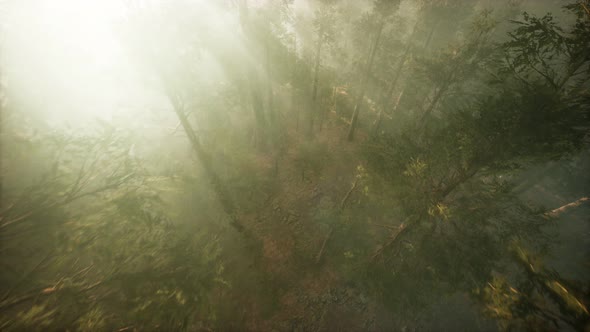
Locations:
(63, 59)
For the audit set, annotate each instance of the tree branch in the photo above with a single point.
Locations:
(564, 208)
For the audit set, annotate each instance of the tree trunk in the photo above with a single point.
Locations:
(316, 77)
(377, 122)
(387, 96)
(271, 110)
(440, 92)
(254, 87)
(429, 38)
(1, 142)
(258, 110)
(333, 106)
(218, 187)
(293, 89)
(361, 95)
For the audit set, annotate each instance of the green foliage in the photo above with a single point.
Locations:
(37, 318)
(539, 46)
(116, 256)
(97, 236)
(533, 299)
(93, 320)
(449, 179)
(502, 299)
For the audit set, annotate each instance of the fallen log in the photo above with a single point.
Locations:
(564, 208)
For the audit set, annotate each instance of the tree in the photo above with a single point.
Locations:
(323, 25)
(251, 28)
(381, 11)
(452, 181)
(174, 71)
(97, 222)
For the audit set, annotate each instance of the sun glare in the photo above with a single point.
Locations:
(67, 60)
(65, 55)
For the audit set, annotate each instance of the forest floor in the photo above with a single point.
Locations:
(298, 280)
(308, 291)
(315, 297)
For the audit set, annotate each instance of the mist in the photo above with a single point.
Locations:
(308, 165)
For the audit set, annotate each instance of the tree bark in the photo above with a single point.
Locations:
(318, 257)
(564, 208)
(430, 35)
(1, 139)
(257, 105)
(377, 123)
(386, 98)
(439, 93)
(256, 97)
(361, 95)
(293, 89)
(271, 111)
(218, 187)
(316, 78)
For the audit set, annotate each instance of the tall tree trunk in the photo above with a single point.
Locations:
(387, 97)
(293, 89)
(377, 122)
(1, 138)
(271, 110)
(218, 187)
(430, 35)
(323, 113)
(316, 78)
(257, 109)
(439, 93)
(361, 95)
(254, 88)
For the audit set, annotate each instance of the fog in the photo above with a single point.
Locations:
(294, 165)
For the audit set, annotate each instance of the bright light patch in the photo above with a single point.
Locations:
(66, 61)
(62, 58)
(83, 27)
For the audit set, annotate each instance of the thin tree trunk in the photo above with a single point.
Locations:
(318, 257)
(256, 97)
(258, 110)
(323, 114)
(361, 95)
(271, 114)
(437, 96)
(1, 144)
(440, 92)
(401, 64)
(377, 122)
(451, 77)
(387, 96)
(219, 188)
(2, 100)
(316, 77)
(342, 205)
(293, 90)
(429, 38)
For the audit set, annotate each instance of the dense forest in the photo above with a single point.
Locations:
(294, 165)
